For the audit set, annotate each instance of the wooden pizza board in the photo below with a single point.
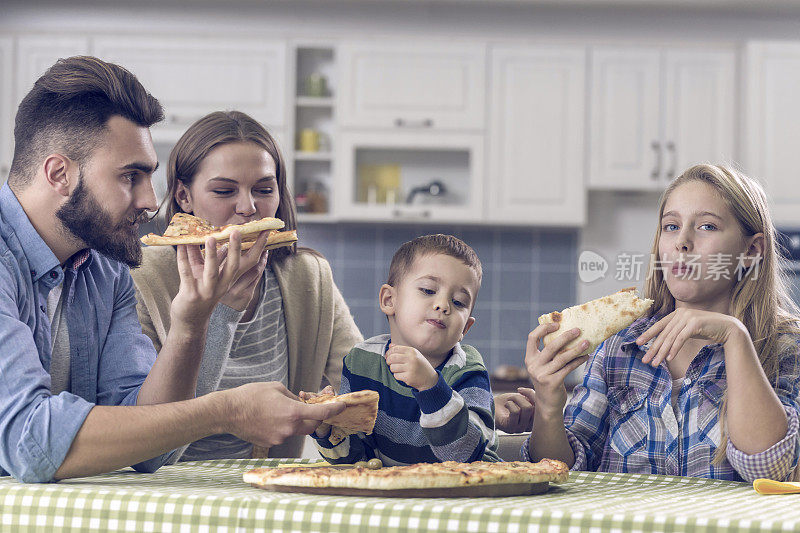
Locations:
(471, 491)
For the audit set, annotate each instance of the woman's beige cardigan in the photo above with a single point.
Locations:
(319, 327)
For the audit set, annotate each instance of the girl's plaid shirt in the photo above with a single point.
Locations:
(621, 418)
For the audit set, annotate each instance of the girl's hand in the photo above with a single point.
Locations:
(410, 366)
(549, 367)
(672, 332)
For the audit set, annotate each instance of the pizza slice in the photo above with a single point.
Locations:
(359, 415)
(189, 229)
(598, 319)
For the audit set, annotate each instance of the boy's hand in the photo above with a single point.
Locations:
(513, 411)
(549, 367)
(410, 366)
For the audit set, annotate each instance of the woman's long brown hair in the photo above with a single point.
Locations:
(215, 129)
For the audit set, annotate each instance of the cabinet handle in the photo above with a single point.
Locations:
(655, 145)
(409, 213)
(403, 123)
(673, 160)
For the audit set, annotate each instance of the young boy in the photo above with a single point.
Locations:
(435, 400)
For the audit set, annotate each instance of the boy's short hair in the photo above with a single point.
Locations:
(439, 243)
(69, 106)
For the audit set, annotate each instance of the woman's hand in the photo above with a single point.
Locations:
(204, 281)
(672, 332)
(243, 288)
(550, 366)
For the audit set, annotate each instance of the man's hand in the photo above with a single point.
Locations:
(513, 411)
(410, 366)
(266, 414)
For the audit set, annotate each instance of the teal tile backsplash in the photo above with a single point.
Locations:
(526, 272)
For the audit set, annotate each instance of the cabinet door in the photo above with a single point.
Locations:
(536, 141)
(772, 117)
(699, 109)
(192, 77)
(625, 143)
(35, 54)
(412, 86)
(6, 103)
(403, 176)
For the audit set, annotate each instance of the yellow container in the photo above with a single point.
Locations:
(308, 140)
(379, 183)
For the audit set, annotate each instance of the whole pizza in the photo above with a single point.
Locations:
(448, 478)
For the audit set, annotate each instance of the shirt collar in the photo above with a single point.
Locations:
(638, 327)
(41, 258)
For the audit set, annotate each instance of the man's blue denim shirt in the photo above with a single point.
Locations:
(110, 357)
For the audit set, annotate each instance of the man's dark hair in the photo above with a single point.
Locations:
(69, 107)
(405, 256)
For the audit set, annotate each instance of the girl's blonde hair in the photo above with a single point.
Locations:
(761, 298)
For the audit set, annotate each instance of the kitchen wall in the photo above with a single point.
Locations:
(526, 272)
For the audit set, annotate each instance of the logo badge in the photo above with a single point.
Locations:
(591, 266)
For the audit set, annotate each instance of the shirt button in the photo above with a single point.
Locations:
(54, 274)
(43, 308)
(33, 273)
(688, 381)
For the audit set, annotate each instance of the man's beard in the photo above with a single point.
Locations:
(83, 216)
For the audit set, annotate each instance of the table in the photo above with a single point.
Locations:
(210, 496)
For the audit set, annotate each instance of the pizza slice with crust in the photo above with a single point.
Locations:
(189, 229)
(598, 319)
(359, 415)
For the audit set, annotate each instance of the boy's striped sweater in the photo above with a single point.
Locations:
(453, 421)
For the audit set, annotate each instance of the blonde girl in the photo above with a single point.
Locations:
(707, 384)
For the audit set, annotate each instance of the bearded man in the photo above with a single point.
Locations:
(81, 388)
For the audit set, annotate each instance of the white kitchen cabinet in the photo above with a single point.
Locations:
(37, 53)
(423, 86)
(536, 140)
(656, 111)
(772, 116)
(6, 111)
(194, 76)
(404, 176)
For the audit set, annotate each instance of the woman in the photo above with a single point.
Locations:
(284, 320)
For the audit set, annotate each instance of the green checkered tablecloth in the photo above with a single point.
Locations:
(210, 496)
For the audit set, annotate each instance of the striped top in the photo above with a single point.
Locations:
(258, 353)
(621, 418)
(453, 421)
